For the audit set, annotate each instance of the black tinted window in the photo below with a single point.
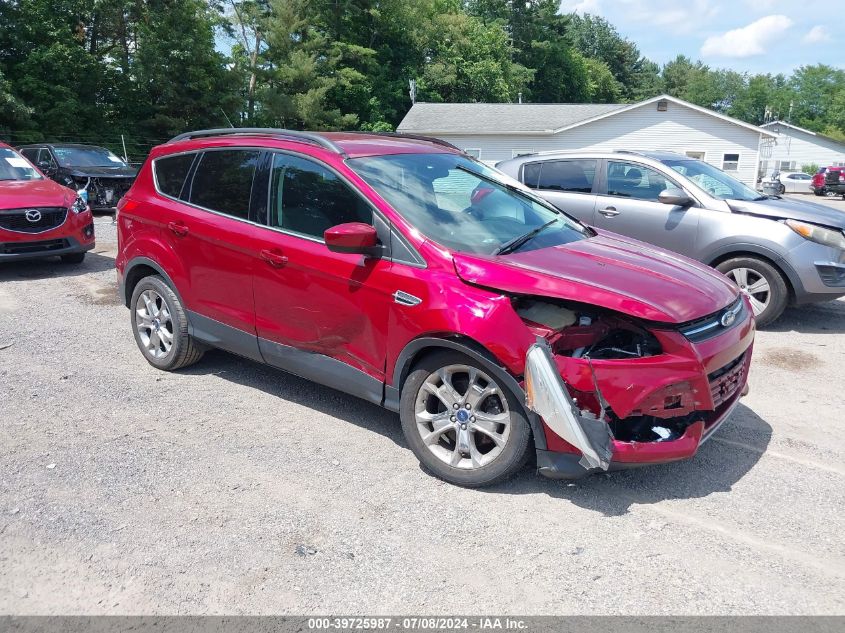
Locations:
(308, 198)
(171, 172)
(568, 175)
(223, 181)
(30, 153)
(531, 174)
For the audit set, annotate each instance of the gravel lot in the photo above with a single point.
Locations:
(233, 488)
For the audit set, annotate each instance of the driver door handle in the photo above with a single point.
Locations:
(274, 258)
(609, 212)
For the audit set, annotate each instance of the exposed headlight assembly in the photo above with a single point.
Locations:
(818, 234)
(79, 205)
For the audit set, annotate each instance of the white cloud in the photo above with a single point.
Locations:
(668, 15)
(749, 40)
(581, 6)
(816, 35)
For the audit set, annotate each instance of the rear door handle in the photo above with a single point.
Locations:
(609, 212)
(178, 228)
(275, 259)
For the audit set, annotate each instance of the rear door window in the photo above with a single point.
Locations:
(573, 176)
(223, 181)
(170, 173)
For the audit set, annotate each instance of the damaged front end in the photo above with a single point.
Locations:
(614, 392)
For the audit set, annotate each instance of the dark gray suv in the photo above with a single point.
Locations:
(778, 251)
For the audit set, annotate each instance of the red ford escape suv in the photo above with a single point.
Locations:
(39, 218)
(399, 270)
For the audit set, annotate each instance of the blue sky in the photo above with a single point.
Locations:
(765, 36)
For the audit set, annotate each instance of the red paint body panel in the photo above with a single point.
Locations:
(294, 291)
(609, 271)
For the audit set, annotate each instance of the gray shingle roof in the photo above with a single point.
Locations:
(480, 118)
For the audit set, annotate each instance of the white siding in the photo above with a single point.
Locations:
(801, 148)
(680, 129)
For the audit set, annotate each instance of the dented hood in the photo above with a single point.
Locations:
(791, 209)
(608, 271)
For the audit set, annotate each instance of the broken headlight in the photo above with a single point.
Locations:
(79, 205)
(586, 332)
(818, 234)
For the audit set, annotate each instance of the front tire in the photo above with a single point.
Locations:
(461, 423)
(762, 283)
(160, 326)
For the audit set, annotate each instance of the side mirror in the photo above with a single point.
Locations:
(46, 166)
(352, 237)
(675, 197)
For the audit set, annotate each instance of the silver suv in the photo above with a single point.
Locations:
(778, 251)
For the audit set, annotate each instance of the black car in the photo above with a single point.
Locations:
(105, 176)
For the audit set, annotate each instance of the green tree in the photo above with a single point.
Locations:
(596, 38)
(180, 80)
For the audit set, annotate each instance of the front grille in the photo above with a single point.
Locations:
(24, 248)
(47, 218)
(711, 325)
(727, 380)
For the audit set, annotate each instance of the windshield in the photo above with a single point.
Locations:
(464, 205)
(712, 180)
(13, 166)
(87, 157)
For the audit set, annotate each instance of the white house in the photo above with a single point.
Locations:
(793, 147)
(498, 131)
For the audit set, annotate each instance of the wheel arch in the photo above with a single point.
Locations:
(790, 277)
(421, 347)
(138, 268)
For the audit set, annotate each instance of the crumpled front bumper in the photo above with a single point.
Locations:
(580, 442)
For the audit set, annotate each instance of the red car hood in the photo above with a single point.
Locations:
(608, 271)
(17, 194)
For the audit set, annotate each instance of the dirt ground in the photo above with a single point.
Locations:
(233, 488)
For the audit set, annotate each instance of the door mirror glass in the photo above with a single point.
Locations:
(675, 197)
(45, 165)
(352, 237)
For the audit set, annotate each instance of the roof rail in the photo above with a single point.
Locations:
(416, 137)
(308, 137)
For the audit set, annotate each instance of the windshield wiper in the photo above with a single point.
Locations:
(515, 243)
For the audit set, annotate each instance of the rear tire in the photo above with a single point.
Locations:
(160, 326)
(471, 446)
(73, 258)
(762, 282)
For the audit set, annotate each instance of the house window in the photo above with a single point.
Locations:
(695, 155)
(475, 152)
(786, 165)
(516, 153)
(730, 162)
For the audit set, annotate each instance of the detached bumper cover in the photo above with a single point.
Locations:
(581, 443)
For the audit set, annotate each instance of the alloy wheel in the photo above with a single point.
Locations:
(462, 416)
(154, 324)
(754, 285)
